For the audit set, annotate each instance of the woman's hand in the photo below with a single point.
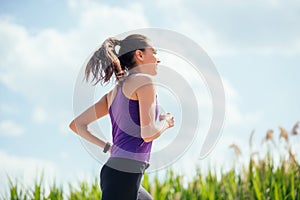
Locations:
(169, 119)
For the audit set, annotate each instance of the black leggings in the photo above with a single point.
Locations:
(120, 185)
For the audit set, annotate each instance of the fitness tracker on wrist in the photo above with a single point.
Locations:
(106, 148)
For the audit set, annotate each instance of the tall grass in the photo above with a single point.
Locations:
(260, 179)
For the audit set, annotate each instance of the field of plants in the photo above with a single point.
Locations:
(260, 179)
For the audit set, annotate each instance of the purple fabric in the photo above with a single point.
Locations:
(126, 131)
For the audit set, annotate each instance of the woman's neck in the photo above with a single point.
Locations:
(137, 69)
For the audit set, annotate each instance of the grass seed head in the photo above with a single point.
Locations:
(269, 135)
(236, 149)
(283, 133)
(295, 130)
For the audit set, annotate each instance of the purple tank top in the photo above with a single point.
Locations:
(125, 118)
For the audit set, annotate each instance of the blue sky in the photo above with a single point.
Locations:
(255, 47)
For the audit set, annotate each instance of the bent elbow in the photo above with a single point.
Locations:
(72, 126)
(149, 135)
(147, 139)
(77, 127)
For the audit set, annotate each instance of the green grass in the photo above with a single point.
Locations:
(260, 180)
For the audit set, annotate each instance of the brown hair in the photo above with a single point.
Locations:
(106, 61)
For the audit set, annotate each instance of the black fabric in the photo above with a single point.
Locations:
(120, 185)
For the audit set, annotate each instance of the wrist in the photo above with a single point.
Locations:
(107, 147)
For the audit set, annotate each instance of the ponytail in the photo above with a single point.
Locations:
(104, 62)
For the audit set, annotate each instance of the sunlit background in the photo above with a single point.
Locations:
(255, 46)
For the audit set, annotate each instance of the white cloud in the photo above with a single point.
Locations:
(8, 109)
(206, 37)
(73, 4)
(230, 28)
(25, 169)
(291, 48)
(234, 116)
(39, 115)
(11, 129)
(12, 164)
(43, 66)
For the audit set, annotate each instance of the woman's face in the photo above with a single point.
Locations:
(149, 61)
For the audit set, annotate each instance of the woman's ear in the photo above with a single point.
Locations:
(139, 55)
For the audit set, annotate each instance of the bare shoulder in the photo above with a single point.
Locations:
(138, 83)
(140, 80)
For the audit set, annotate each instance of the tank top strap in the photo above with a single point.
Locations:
(120, 83)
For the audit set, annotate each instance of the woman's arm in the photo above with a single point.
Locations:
(146, 94)
(80, 124)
